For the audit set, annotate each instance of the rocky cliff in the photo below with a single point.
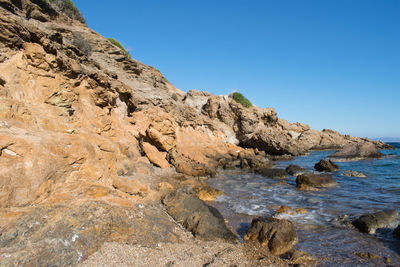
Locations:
(81, 122)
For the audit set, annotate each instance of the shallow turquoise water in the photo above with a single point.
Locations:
(247, 196)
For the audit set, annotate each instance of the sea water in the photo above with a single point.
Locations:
(321, 232)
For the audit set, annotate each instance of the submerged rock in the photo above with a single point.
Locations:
(295, 170)
(289, 211)
(396, 232)
(357, 151)
(278, 236)
(203, 221)
(326, 166)
(310, 180)
(369, 223)
(350, 173)
(272, 173)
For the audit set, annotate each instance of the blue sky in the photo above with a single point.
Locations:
(330, 64)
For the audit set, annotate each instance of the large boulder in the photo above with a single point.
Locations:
(278, 236)
(311, 180)
(272, 173)
(203, 221)
(357, 151)
(369, 223)
(325, 165)
(295, 170)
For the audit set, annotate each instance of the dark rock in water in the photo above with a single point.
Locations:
(350, 173)
(249, 159)
(295, 170)
(307, 180)
(368, 255)
(396, 232)
(300, 258)
(357, 151)
(272, 173)
(326, 166)
(279, 236)
(203, 221)
(368, 223)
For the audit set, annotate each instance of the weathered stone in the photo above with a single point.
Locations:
(203, 221)
(207, 193)
(289, 211)
(369, 223)
(130, 186)
(156, 157)
(278, 236)
(350, 173)
(357, 151)
(295, 170)
(326, 166)
(272, 173)
(304, 181)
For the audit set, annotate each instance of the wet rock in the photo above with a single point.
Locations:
(350, 173)
(369, 223)
(207, 193)
(249, 159)
(396, 232)
(368, 255)
(357, 151)
(272, 173)
(282, 210)
(278, 236)
(295, 170)
(326, 166)
(311, 180)
(300, 257)
(203, 221)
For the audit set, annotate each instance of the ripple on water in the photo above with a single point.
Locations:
(250, 194)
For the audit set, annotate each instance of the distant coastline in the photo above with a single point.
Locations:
(387, 139)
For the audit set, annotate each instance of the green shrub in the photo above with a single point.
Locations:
(116, 43)
(238, 97)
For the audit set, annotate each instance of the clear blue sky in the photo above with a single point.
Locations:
(330, 64)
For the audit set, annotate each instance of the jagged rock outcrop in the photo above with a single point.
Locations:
(81, 121)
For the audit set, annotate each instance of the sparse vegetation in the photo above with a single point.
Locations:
(117, 44)
(238, 97)
(67, 7)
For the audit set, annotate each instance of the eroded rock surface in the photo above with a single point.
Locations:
(203, 221)
(277, 235)
(369, 223)
(272, 173)
(325, 165)
(310, 180)
(295, 170)
(357, 151)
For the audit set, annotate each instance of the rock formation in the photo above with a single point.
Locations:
(369, 223)
(277, 235)
(85, 129)
(326, 166)
(310, 181)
